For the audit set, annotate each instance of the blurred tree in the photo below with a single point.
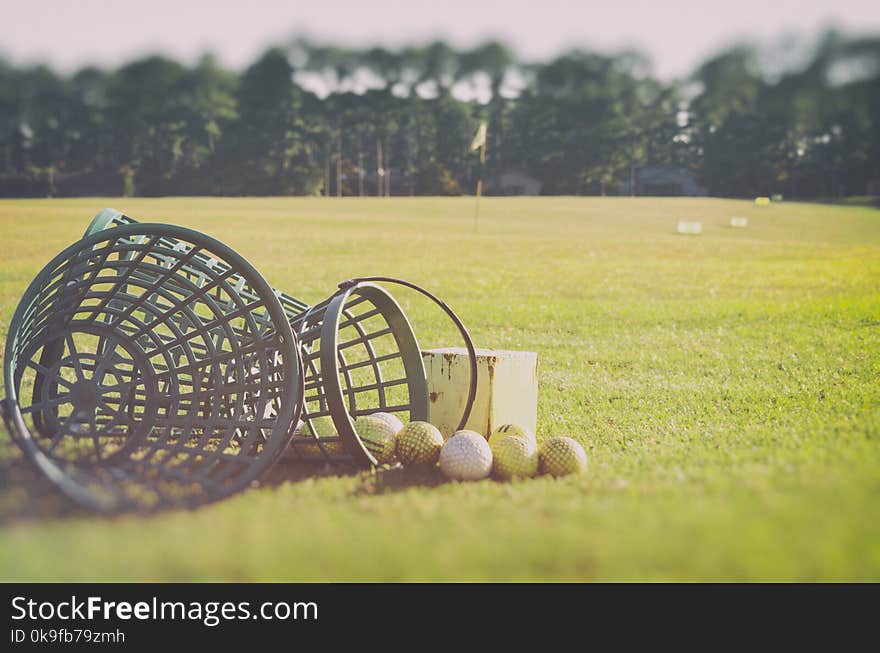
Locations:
(376, 120)
(12, 135)
(494, 60)
(267, 150)
(144, 122)
(89, 142)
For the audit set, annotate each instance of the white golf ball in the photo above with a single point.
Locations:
(466, 456)
(392, 420)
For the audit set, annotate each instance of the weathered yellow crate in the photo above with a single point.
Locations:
(507, 388)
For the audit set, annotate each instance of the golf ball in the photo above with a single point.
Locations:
(514, 457)
(377, 436)
(419, 443)
(560, 456)
(321, 427)
(466, 456)
(513, 429)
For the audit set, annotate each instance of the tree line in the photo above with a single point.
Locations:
(308, 118)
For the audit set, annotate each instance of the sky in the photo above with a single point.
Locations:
(676, 34)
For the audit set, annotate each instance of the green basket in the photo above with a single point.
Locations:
(138, 368)
(150, 365)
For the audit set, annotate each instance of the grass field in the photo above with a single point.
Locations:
(726, 388)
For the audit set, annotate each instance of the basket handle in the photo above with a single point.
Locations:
(469, 344)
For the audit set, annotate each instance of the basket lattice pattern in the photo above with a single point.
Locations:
(141, 364)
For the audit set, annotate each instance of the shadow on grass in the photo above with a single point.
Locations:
(369, 482)
(296, 471)
(27, 495)
(398, 479)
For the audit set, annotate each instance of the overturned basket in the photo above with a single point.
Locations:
(363, 333)
(360, 356)
(150, 365)
(137, 364)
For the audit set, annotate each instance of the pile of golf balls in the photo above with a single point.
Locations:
(510, 452)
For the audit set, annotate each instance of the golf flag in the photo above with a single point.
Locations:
(480, 139)
(479, 143)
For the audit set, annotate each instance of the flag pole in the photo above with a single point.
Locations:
(480, 184)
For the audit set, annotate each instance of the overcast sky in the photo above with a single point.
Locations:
(675, 33)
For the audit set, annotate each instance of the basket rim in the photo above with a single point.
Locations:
(291, 403)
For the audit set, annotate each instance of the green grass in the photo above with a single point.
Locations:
(726, 387)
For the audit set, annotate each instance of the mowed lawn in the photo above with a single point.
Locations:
(726, 388)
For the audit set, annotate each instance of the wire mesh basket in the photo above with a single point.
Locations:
(366, 337)
(150, 365)
(361, 356)
(109, 218)
(140, 366)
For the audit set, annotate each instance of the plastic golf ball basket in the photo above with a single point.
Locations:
(139, 365)
(150, 365)
(360, 356)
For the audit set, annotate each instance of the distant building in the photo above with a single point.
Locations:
(513, 182)
(664, 180)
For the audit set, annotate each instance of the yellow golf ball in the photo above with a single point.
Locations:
(560, 456)
(378, 436)
(321, 427)
(419, 443)
(506, 430)
(514, 457)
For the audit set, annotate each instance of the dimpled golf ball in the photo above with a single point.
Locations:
(392, 420)
(419, 443)
(466, 456)
(514, 457)
(560, 456)
(513, 429)
(377, 435)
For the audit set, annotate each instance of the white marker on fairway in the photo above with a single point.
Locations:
(739, 223)
(690, 228)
